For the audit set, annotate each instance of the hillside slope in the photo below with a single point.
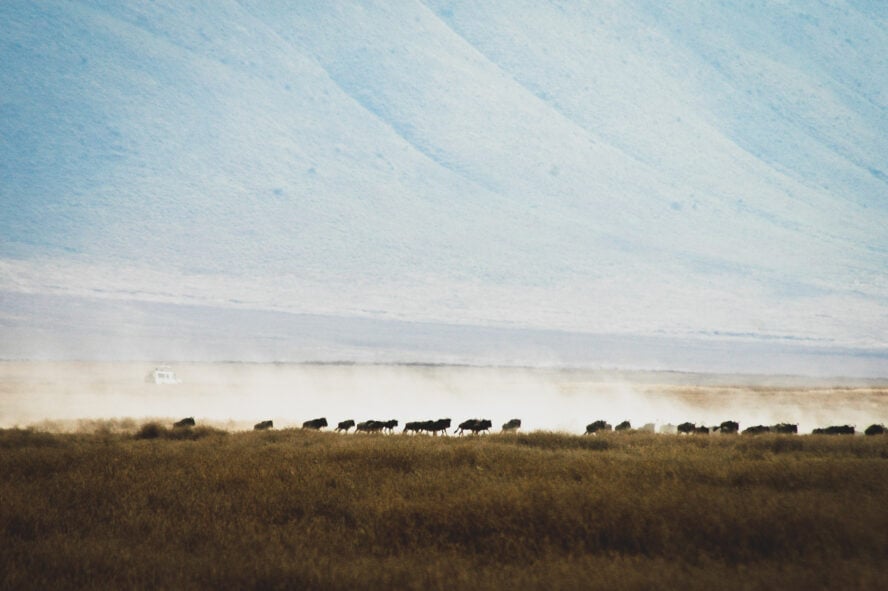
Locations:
(706, 171)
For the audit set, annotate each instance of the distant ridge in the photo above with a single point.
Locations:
(684, 172)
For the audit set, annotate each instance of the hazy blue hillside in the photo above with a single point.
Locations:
(701, 171)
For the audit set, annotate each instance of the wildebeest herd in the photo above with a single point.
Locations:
(477, 426)
(730, 428)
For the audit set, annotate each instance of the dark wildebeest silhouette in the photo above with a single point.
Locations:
(595, 427)
(835, 430)
(315, 424)
(483, 426)
(512, 425)
(701, 430)
(434, 427)
(875, 430)
(369, 426)
(624, 426)
(414, 426)
(756, 430)
(264, 425)
(344, 425)
(390, 425)
(686, 428)
(728, 427)
(186, 422)
(475, 426)
(785, 428)
(465, 426)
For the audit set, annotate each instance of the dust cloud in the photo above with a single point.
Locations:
(75, 395)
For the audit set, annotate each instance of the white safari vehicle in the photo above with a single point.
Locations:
(163, 375)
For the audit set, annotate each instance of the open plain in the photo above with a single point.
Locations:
(129, 502)
(288, 509)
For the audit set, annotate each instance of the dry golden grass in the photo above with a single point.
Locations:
(300, 510)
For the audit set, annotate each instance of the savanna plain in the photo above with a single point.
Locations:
(132, 503)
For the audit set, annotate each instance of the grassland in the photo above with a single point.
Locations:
(290, 509)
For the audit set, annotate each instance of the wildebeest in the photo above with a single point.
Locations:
(624, 426)
(345, 425)
(875, 430)
(262, 426)
(686, 428)
(390, 425)
(475, 426)
(434, 427)
(835, 430)
(595, 427)
(785, 428)
(464, 426)
(315, 424)
(512, 425)
(484, 425)
(756, 430)
(701, 430)
(413, 426)
(728, 427)
(369, 426)
(186, 422)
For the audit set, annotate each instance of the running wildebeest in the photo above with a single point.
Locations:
(345, 425)
(756, 430)
(484, 425)
(624, 426)
(701, 430)
(475, 426)
(390, 425)
(186, 422)
(315, 424)
(835, 430)
(785, 428)
(369, 426)
(686, 428)
(263, 426)
(434, 427)
(728, 427)
(875, 430)
(413, 426)
(465, 426)
(512, 425)
(595, 427)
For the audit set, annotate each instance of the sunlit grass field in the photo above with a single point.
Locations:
(292, 509)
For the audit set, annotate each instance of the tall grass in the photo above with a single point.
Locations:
(292, 509)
